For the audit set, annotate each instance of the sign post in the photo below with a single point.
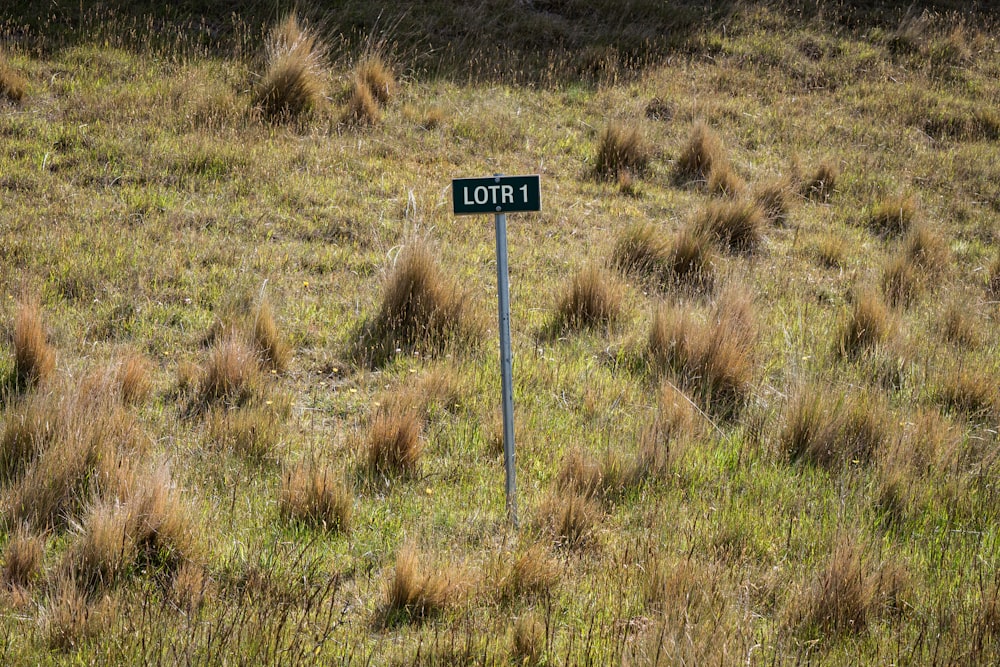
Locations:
(501, 195)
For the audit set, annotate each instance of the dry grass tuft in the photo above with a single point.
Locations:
(393, 442)
(12, 85)
(533, 573)
(274, 351)
(529, 639)
(414, 593)
(969, 390)
(737, 226)
(700, 155)
(724, 181)
(34, 358)
(902, 281)
(993, 278)
(232, 374)
(774, 200)
(132, 377)
(819, 186)
(960, 325)
(362, 107)
(29, 427)
(833, 429)
(869, 325)
(621, 148)
(842, 598)
(571, 519)
(926, 249)
(376, 75)
(691, 259)
(191, 587)
(831, 250)
(161, 524)
(68, 617)
(893, 216)
(593, 299)
(253, 433)
(640, 250)
(22, 559)
(716, 359)
(420, 309)
(105, 549)
(312, 494)
(294, 80)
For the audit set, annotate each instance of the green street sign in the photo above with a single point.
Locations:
(496, 194)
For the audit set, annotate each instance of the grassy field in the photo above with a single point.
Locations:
(249, 409)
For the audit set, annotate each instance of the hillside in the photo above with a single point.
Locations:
(250, 383)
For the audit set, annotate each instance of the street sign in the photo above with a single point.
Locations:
(501, 195)
(496, 194)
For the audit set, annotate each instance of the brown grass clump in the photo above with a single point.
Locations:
(362, 107)
(926, 249)
(22, 559)
(842, 598)
(970, 390)
(832, 429)
(901, 281)
(831, 250)
(312, 494)
(774, 200)
(161, 524)
(819, 185)
(232, 373)
(132, 377)
(640, 250)
(529, 639)
(34, 358)
(253, 433)
(420, 308)
(621, 148)
(959, 324)
(190, 588)
(376, 75)
(294, 80)
(393, 442)
(534, 572)
(691, 259)
(12, 84)
(414, 593)
(593, 299)
(274, 351)
(29, 427)
(69, 618)
(869, 325)
(714, 359)
(993, 279)
(724, 181)
(737, 226)
(700, 155)
(571, 518)
(105, 549)
(893, 216)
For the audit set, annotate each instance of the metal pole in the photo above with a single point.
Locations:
(506, 373)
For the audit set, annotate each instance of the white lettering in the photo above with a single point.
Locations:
(524, 192)
(485, 198)
(465, 196)
(507, 193)
(493, 193)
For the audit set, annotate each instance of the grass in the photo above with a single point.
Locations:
(293, 81)
(34, 358)
(13, 85)
(735, 226)
(893, 216)
(621, 148)
(236, 293)
(591, 299)
(313, 495)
